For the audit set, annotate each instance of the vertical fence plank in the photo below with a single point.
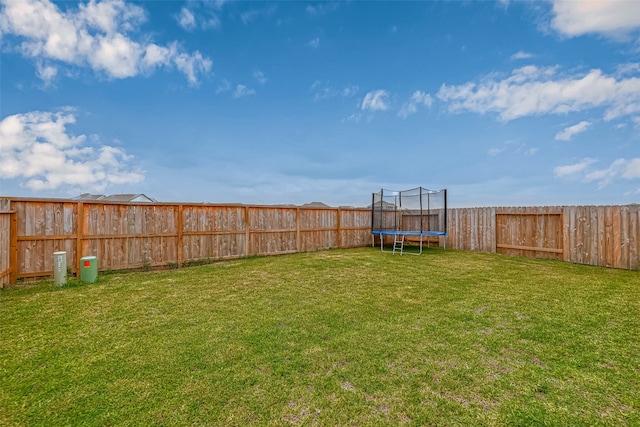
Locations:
(624, 237)
(13, 255)
(180, 229)
(616, 242)
(634, 237)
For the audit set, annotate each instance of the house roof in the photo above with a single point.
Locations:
(126, 198)
(315, 205)
(88, 196)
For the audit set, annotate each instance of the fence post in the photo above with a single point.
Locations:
(339, 225)
(79, 238)
(180, 231)
(247, 234)
(566, 253)
(298, 236)
(13, 248)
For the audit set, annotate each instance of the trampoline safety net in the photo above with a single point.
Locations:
(417, 211)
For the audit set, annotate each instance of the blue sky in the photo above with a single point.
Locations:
(503, 103)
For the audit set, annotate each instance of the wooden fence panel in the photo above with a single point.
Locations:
(129, 235)
(471, 229)
(272, 230)
(532, 232)
(44, 227)
(318, 229)
(355, 227)
(213, 232)
(603, 235)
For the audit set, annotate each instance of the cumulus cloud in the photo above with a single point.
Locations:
(568, 133)
(417, 99)
(375, 101)
(242, 90)
(609, 17)
(532, 90)
(97, 35)
(38, 148)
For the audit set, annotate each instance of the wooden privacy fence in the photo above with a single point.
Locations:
(607, 236)
(125, 235)
(128, 235)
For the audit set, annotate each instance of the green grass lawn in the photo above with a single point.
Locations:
(341, 337)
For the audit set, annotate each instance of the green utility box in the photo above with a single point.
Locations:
(89, 269)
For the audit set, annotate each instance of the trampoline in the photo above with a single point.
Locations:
(409, 215)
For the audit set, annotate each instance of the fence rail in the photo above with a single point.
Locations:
(125, 235)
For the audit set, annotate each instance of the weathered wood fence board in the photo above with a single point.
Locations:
(8, 248)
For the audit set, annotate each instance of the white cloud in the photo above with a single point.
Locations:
(572, 169)
(532, 90)
(628, 68)
(242, 90)
(522, 55)
(568, 133)
(375, 101)
(323, 90)
(260, 77)
(46, 73)
(495, 151)
(608, 17)
(632, 170)
(224, 86)
(322, 8)
(315, 43)
(349, 91)
(201, 15)
(38, 148)
(248, 16)
(417, 99)
(97, 35)
(606, 176)
(355, 117)
(192, 65)
(628, 169)
(186, 19)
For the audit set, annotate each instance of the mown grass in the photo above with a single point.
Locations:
(341, 337)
